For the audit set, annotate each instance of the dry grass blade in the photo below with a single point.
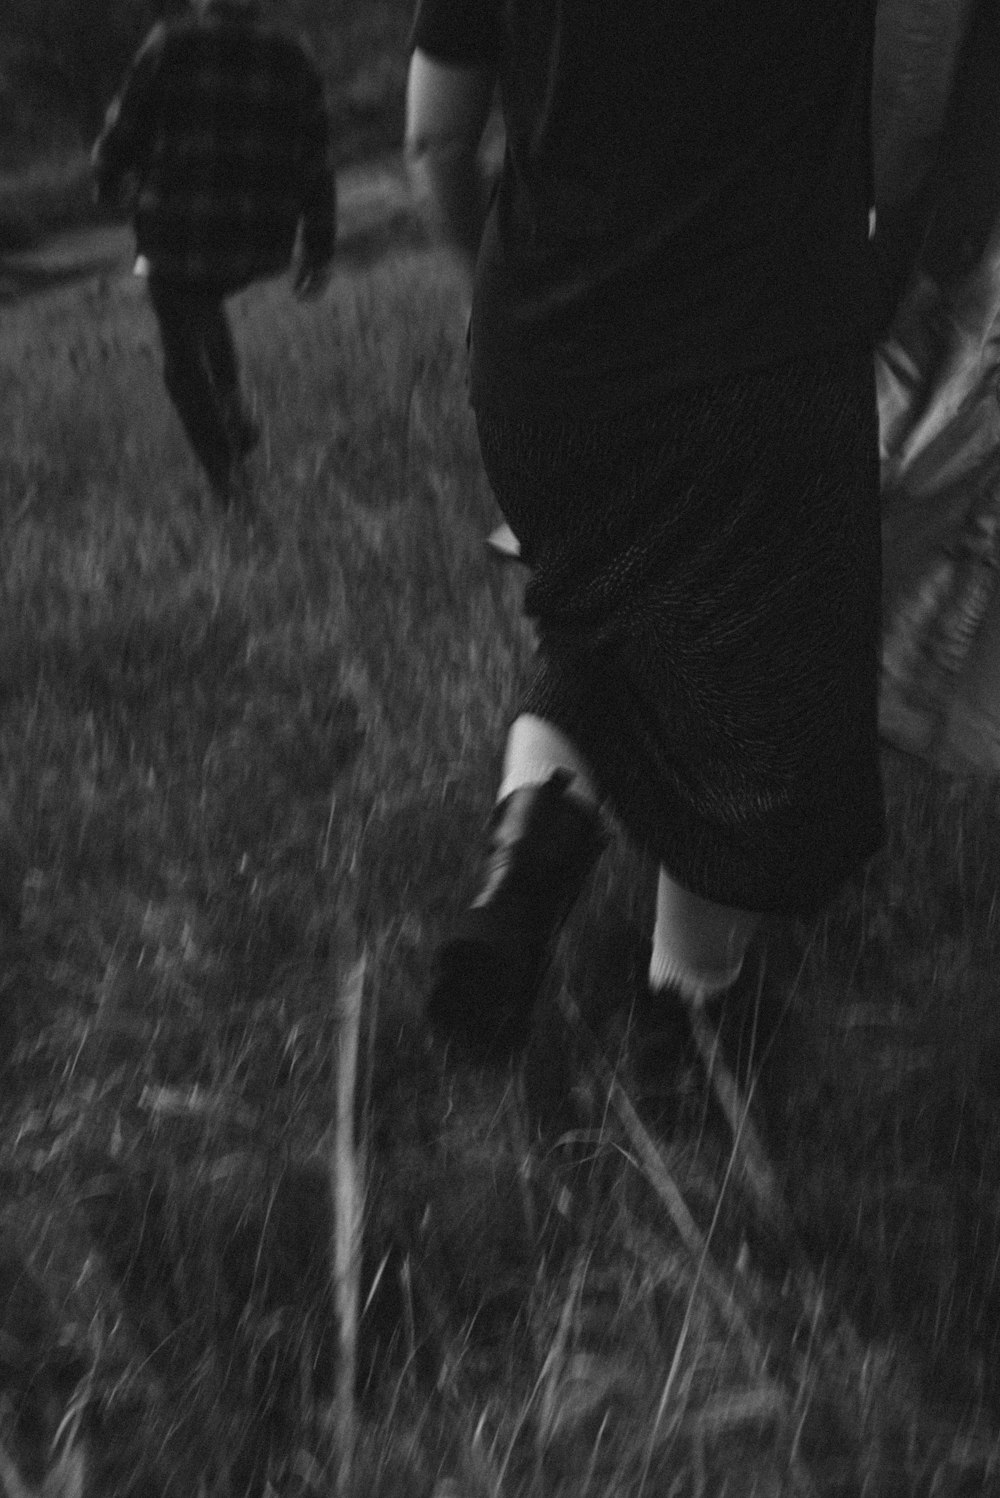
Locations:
(746, 1140)
(552, 1370)
(515, 1113)
(66, 1479)
(347, 1185)
(13, 1485)
(645, 1147)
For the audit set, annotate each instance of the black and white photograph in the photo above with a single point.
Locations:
(499, 749)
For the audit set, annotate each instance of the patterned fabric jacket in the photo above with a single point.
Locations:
(220, 143)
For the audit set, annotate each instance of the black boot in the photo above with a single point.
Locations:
(751, 1029)
(542, 845)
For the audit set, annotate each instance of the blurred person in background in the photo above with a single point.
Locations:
(671, 342)
(220, 145)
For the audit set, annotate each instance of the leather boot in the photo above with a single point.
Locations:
(542, 845)
(753, 1025)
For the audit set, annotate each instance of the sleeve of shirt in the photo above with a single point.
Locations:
(467, 32)
(122, 148)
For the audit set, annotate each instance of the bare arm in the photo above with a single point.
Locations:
(446, 110)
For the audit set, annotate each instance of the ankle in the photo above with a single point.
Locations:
(536, 751)
(695, 986)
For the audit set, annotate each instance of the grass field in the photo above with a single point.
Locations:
(237, 760)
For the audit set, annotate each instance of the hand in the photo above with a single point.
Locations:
(311, 279)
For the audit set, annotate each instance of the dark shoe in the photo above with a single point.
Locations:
(660, 1039)
(754, 1021)
(740, 1041)
(666, 1074)
(542, 845)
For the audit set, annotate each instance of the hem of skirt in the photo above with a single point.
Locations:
(801, 895)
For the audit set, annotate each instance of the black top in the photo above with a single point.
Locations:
(222, 123)
(685, 190)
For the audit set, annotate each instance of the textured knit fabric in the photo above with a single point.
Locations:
(705, 580)
(685, 191)
(221, 125)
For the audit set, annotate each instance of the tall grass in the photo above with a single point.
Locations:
(233, 757)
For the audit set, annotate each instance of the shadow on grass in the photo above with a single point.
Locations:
(896, 1173)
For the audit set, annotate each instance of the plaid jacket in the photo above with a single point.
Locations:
(220, 140)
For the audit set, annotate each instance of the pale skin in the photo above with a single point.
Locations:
(447, 106)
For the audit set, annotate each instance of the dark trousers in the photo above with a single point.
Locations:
(201, 373)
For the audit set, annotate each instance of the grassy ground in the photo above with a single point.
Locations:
(234, 759)
(53, 193)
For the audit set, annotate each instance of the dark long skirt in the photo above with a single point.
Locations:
(704, 577)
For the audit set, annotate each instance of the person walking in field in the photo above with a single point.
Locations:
(671, 370)
(220, 142)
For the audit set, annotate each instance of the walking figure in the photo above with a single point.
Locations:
(673, 311)
(219, 141)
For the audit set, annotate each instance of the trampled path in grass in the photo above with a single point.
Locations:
(232, 760)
